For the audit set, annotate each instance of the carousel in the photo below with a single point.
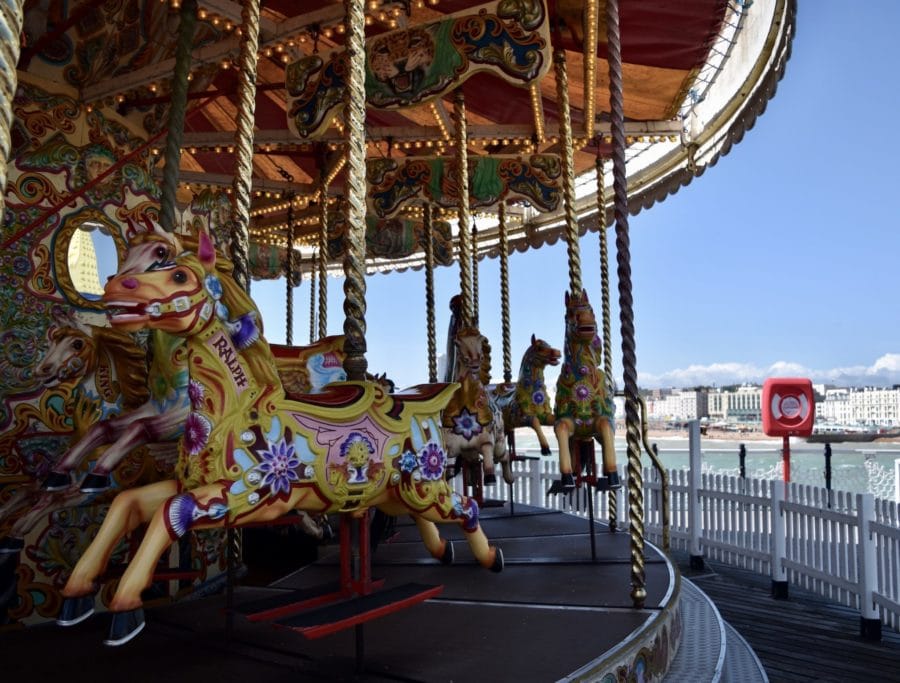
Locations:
(159, 156)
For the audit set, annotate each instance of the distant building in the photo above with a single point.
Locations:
(742, 405)
(871, 406)
(678, 405)
(83, 263)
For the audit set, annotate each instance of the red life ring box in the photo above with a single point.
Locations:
(788, 406)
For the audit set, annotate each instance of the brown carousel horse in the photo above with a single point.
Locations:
(583, 410)
(529, 405)
(473, 422)
(249, 454)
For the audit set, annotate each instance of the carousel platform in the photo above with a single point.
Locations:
(552, 614)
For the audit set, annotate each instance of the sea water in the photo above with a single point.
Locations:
(855, 467)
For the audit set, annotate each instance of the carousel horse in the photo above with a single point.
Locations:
(109, 371)
(583, 409)
(530, 405)
(249, 454)
(473, 422)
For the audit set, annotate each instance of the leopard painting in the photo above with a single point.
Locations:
(400, 59)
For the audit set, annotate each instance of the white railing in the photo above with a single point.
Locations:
(843, 546)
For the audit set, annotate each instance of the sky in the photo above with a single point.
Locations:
(781, 260)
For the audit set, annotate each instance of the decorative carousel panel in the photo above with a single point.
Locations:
(394, 182)
(409, 66)
(392, 238)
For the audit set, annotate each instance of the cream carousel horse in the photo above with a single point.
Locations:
(248, 454)
(473, 422)
(530, 405)
(583, 410)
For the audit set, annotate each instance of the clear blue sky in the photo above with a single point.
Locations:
(780, 260)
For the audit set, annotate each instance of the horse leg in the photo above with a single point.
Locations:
(46, 504)
(487, 457)
(542, 439)
(563, 429)
(608, 447)
(200, 508)
(100, 433)
(128, 510)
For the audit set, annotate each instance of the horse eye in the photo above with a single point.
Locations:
(78, 344)
(161, 252)
(180, 277)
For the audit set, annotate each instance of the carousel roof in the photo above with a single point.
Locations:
(695, 75)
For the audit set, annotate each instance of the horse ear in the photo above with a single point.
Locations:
(567, 298)
(584, 295)
(533, 340)
(206, 251)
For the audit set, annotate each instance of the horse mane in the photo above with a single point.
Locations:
(130, 362)
(259, 355)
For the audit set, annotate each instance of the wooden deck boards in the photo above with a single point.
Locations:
(804, 638)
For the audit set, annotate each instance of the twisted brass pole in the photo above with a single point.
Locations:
(465, 246)
(429, 295)
(355, 260)
(323, 259)
(504, 293)
(612, 500)
(312, 298)
(474, 275)
(289, 274)
(565, 134)
(11, 20)
(626, 309)
(187, 24)
(243, 142)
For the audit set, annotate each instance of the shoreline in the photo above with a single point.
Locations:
(737, 437)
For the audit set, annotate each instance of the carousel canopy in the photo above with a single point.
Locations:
(695, 75)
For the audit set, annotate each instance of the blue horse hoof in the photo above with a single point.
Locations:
(75, 610)
(125, 626)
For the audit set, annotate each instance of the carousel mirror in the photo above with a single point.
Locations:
(87, 251)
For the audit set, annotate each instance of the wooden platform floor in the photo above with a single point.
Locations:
(804, 638)
(550, 612)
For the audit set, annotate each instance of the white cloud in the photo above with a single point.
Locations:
(885, 371)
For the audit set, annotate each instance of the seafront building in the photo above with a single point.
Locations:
(854, 407)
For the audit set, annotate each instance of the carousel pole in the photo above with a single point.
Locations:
(571, 230)
(474, 274)
(429, 294)
(289, 274)
(504, 293)
(312, 298)
(243, 142)
(186, 27)
(240, 224)
(612, 500)
(626, 310)
(462, 181)
(355, 258)
(11, 20)
(323, 258)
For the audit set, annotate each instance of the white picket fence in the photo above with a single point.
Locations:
(843, 546)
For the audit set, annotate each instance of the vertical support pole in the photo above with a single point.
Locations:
(779, 574)
(312, 299)
(323, 259)
(474, 274)
(742, 460)
(187, 24)
(695, 511)
(869, 620)
(786, 458)
(626, 306)
(568, 168)
(429, 294)
(503, 247)
(828, 466)
(243, 142)
(465, 245)
(289, 274)
(11, 21)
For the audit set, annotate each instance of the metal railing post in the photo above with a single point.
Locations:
(695, 513)
(869, 620)
(779, 544)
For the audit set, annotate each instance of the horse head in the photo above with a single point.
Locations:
(70, 356)
(541, 354)
(581, 324)
(151, 250)
(469, 353)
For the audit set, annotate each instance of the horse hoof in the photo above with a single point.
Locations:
(602, 483)
(490, 478)
(498, 564)
(568, 481)
(560, 486)
(545, 450)
(447, 556)
(56, 481)
(614, 481)
(10, 545)
(125, 626)
(95, 483)
(75, 610)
